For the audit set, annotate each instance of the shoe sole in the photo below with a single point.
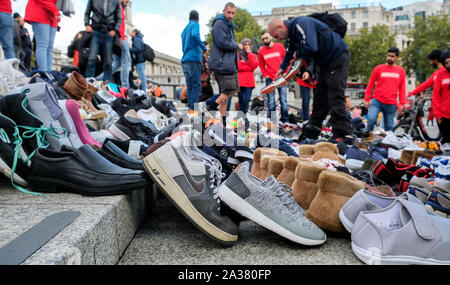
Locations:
(6, 170)
(173, 191)
(245, 209)
(49, 185)
(373, 257)
(345, 222)
(117, 133)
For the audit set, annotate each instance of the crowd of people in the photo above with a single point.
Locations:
(94, 137)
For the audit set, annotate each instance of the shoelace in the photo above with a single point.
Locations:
(4, 136)
(285, 193)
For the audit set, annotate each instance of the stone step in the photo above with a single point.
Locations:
(99, 236)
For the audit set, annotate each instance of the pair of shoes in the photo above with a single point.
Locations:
(259, 154)
(269, 204)
(190, 183)
(81, 171)
(418, 236)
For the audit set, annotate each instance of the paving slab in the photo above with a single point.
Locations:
(168, 238)
(100, 235)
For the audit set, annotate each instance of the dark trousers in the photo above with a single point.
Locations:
(329, 95)
(444, 127)
(104, 41)
(245, 94)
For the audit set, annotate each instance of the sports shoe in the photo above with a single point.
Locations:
(130, 128)
(420, 188)
(269, 204)
(402, 233)
(439, 198)
(189, 184)
(364, 200)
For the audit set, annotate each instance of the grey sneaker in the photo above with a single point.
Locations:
(190, 185)
(269, 204)
(364, 200)
(403, 233)
(420, 188)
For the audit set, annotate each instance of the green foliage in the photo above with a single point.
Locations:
(430, 33)
(245, 26)
(368, 50)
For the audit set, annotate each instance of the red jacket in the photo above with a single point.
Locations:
(427, 84)
(270, 59)
(441, 95)
(431, 114)
(245, 70)
(42, 11)
(5, 6)
(390, 83)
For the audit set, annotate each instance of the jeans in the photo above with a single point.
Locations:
(126, 65)
(140, 67)
(7, 34)
(306, 101)
(271, 104)
(105, 41)
(388, 115)
(193, 75)
(245, 94)
(45, 37)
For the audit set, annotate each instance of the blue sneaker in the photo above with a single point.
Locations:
(439, 199)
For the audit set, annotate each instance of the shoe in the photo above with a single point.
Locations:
(128, 128)
(10, 144)
(81, 171)
(270, 205)
(364, 200)
(439, 198)
(310, 132)
(419, 188)
(403, 233)
(257, 156)
(266, 160)
(355, 158)
(277, 83)
(74, 137)
(114, 154)
(188, 184)
(305, 183)
(287, 175)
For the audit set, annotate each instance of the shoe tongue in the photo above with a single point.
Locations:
(420, 217)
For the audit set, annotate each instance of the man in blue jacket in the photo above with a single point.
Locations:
(223, 58)
(325, 50)
(137, 49)
(192, 59)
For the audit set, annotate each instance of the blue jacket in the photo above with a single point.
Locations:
(223, 57)
(305, 40)
(192, 44)
(138, 48)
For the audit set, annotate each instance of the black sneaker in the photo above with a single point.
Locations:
(11, 165)
(121, 106)
(189, 184)
(128, 128)
(310, 132)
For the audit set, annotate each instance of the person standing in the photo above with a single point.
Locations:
(390, 81)
(137, 48)
(320, 46)
(247, 63)
(103, 19)
(192, 59)
(223, 59)
(270, 58)
(434, 57)
(441, 100)
(44, 16)
(125, 57)
(7, 29)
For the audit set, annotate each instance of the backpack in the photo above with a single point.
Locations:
(334, 21)
(149, 53)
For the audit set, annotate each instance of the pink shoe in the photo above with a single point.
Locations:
(73, 107)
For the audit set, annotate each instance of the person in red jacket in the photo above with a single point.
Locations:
(44, 16)
(441, 99)
(270, 58)
(434, 57)
(430, 116)
(247, 63)
(390, 80)
(7, 29)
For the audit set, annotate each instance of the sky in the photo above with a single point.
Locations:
(162, 21)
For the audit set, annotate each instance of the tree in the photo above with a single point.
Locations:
(368, 50)
(430, 33)
(245, 26)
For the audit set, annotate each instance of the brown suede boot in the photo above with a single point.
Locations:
(325, 150)
(306, 151)
(276, 166)
(287, 175)
(335, 189)
(265, 161)
(259, 152)
(305, 183)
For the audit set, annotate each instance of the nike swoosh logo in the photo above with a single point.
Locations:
(198, 186)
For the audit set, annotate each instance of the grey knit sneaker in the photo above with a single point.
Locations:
(269, 204)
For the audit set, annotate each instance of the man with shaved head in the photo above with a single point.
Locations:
(327, 55)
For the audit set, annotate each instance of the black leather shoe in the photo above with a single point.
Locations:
(117, 156)
(82, 171)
